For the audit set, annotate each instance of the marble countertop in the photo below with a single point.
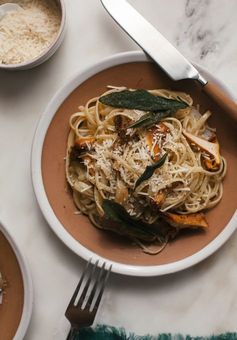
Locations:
(199, 301)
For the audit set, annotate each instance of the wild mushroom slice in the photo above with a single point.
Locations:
(191, 221)
(121, 192)
(154, 150)
(81, 148)
(158, 199)
(85, 143)
(160, 129)
(212, 149)
(210, 164)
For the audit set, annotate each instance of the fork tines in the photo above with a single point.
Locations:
(91, 286)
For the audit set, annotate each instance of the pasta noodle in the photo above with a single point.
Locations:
(114, 157)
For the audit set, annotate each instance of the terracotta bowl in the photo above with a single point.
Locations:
(134, 70)
(16, 307)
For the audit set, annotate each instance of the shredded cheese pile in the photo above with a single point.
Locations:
(131, 178)
(26, 33)
(114, 162)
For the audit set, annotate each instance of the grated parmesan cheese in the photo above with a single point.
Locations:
(26, 33)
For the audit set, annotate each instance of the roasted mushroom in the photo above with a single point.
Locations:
(192, 221)
(208, 148)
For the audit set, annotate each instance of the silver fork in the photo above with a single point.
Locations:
(82, 308)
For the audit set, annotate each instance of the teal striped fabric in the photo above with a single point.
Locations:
(103, 332)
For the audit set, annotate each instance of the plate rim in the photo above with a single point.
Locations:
(27, 284)
(38, 186)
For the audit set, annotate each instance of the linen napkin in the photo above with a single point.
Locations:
(104, 332)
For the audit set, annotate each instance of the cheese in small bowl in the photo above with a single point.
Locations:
(30, 34)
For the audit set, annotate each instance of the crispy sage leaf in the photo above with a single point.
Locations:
(118, 220)
(150, 119)
(117, 213)
(150, 170)
(141, 100)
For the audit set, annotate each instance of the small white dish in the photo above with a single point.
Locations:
(48, 52)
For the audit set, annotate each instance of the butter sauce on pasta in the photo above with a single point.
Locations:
(114, 157)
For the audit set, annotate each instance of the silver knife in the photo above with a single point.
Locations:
(163, 52)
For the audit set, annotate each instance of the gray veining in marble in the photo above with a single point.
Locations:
(201, 300)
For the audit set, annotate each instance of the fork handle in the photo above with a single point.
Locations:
(71, 334)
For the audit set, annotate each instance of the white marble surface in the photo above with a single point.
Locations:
(201, 300)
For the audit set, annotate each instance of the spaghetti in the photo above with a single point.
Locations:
(106, 156)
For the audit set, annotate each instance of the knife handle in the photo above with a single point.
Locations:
(227, 104)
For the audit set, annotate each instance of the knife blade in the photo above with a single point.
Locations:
(173, 63)
(151, 41)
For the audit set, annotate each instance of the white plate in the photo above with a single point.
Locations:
(27, 286)
(44, 204)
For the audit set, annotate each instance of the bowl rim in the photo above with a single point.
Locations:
(27, 284)
(54, 223)
(52, 45)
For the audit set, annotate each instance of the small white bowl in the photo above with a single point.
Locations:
(48, 52)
